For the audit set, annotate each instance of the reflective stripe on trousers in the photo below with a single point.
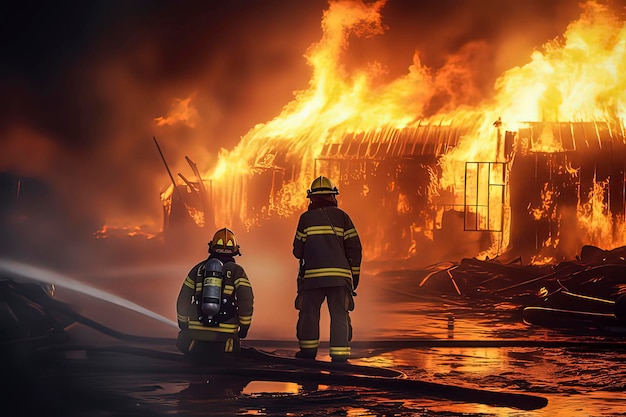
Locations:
(308, 327)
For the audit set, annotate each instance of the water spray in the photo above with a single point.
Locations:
(50, 277)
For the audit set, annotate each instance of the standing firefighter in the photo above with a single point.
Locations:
(329, 250)
(215, 303)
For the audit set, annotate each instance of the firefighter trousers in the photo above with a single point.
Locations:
(309, 303)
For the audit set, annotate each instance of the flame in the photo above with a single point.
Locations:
(577, 77)
(182, 112)
(600, 227)
(546, 211)
(105, 232)
(539, 260)
(336, 103)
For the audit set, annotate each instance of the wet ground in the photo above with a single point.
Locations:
(577, 381)
(396, 327)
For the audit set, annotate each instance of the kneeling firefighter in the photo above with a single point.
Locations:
(215, 304)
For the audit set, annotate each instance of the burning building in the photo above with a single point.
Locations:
(538, 169)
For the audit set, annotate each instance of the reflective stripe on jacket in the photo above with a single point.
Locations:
(331, 257)
(236, 284)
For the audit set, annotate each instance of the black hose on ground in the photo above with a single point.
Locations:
(335, 377)
(297, 370)
(620, 307)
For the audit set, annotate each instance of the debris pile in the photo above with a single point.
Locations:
(588, 293)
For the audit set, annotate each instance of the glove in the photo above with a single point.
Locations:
(243, 332)
(355, 281)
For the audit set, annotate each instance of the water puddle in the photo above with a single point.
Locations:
(270, 387)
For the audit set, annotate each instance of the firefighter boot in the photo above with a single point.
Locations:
(306, 354)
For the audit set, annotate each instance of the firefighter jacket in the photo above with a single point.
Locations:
(329, 248)
(236, 313)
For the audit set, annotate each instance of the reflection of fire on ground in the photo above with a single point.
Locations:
(538, 168)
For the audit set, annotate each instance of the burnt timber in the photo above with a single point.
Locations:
(386, 177)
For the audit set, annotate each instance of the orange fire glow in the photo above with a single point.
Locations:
(595, 218)
(182, 112)
(580, 76)
(106, 232)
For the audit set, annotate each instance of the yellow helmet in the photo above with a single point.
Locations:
(322, 185)
(224, 241)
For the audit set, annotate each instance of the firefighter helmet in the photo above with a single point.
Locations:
(322, 186)
(224, 242)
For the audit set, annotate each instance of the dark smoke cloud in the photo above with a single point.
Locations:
(84, 81)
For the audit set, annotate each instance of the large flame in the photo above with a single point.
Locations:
(577, 77)
(336, 103)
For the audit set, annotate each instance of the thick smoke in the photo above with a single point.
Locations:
(86, 87)
(84, 90)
